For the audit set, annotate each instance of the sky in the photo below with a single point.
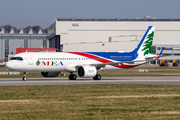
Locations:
(23, 13)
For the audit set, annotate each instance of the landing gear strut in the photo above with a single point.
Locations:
(97, 77)
(25, 76)
(72, 76)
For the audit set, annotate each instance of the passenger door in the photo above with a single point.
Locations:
(30, 60)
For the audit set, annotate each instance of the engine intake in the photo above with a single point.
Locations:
(50, 74)
(87, 71)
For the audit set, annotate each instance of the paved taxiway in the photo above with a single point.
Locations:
(163, 80)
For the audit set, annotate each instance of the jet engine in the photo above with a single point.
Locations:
(87, 71)
(50, 74)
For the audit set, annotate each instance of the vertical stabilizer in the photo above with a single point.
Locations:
(145, 45)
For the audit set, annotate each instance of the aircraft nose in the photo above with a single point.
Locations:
(8, 65)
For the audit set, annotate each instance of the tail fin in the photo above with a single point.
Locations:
(144, 47)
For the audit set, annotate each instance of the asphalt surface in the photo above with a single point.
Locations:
(163, 80)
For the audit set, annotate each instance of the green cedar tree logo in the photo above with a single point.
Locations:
(38, 62)
(147, 44)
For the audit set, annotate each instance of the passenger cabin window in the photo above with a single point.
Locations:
(17, 58)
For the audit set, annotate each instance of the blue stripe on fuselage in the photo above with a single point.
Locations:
(127, 56)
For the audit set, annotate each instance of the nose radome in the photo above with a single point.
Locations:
(8, 66)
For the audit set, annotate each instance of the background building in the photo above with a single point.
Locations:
(113, 35)
(101, 35)
(29, 37)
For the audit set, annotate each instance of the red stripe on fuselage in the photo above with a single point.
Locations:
(102, 60)
(92, 57)
(127, 66)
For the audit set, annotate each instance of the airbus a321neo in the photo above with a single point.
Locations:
(86, 64)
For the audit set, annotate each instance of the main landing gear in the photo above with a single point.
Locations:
(97, 77)
(72, 76)
(25, 76)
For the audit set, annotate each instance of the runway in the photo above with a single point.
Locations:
(163, 80)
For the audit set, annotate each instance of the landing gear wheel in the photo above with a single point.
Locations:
(25, 76)
(97, 77)
(72, 77)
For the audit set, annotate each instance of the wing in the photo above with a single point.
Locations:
(124, 62)
(148, 58)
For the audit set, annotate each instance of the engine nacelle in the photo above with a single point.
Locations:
(50, 74)
(87, 71)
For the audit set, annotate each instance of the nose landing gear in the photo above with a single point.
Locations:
(97, 77)
(25, 76)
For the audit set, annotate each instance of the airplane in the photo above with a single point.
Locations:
(86, 64)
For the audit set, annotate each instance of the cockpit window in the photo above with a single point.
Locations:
(17, 58)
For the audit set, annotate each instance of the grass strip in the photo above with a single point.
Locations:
(86, 102)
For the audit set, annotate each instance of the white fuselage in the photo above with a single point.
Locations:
(54, 61)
